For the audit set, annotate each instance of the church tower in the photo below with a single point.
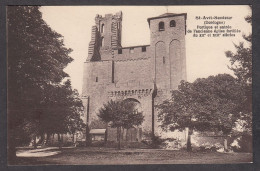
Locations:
(168, 49)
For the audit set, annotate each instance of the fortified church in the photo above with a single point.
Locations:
(145, 74)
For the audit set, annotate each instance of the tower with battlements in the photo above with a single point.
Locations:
(145, 74)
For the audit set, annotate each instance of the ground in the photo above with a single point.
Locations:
(111, 156)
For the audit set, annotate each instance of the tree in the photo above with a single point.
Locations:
(36, 59)
(241, 64)
(62, 111)
(241, 60)
(74, 112)
(97, 124)
(120, 114)
(207, 104)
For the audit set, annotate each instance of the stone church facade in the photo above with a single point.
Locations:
(145, 74)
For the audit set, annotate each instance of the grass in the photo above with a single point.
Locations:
(111, 156)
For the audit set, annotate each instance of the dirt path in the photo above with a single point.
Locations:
(101, 156)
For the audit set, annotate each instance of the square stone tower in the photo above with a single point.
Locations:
(168, 49)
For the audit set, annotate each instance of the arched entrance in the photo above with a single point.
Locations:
(144, 103)
(133, 134)
(138, 106)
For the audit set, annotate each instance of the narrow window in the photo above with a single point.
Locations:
(96, 79)
(161, 26)
(131, 50)
(113, 71)
(163, 60)
(119, 51)
(172, 23)
(143, 49)
(102, 28)
(102, 42)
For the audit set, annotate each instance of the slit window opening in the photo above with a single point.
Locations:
(102, 28)
(143, 49)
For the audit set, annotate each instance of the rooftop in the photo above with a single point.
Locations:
(165, 15)
(97, 131)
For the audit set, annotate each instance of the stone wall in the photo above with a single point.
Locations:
(132, 74)
(97, 76)
(135, 52)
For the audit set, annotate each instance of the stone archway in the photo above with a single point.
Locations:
(137, 103)
(133, 134)
(143, 98)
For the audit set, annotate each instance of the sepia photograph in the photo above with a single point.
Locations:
(129, 85)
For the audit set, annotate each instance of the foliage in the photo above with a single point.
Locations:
(38, 102)
(244, 144)
(241, 64)
(241, 60)
(156, 141)
(98, 124)
(208, 103)
(121, 114)
(62, 110)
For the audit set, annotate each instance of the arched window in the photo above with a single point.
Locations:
(102, 41)
(172, 23)
(161, 26)
(102, 28)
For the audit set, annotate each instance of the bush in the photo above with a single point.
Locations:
(145, 142)
(157, 142)
(244, 144)
(210, 147)
(80, 144)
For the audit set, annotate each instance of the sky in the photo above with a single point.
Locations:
(204, 56)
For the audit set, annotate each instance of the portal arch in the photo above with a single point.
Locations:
(138, 106)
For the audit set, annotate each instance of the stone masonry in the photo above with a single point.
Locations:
(145, 73)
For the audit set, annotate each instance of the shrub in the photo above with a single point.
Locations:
(156, 142)
(243, 144)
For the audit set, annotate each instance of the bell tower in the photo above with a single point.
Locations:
(168, 48)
